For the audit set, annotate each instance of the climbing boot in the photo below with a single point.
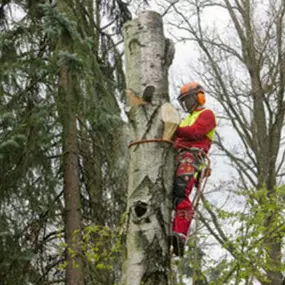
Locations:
(177, 240)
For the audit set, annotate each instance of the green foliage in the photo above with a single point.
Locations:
(56, 23)
(101, 249)
(101, 246)
(248, 246)
(30, 138)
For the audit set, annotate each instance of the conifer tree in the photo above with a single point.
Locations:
(33, 65)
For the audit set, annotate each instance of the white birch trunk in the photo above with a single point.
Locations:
(148, 56)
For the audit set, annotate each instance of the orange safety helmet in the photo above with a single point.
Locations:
(192, 88)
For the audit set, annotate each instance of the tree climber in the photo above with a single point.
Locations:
(193, 139)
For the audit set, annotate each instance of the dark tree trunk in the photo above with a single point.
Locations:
(67, 111)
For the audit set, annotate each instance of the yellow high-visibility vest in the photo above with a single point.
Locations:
(191, 119)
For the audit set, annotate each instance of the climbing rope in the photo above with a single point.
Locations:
(150, 141)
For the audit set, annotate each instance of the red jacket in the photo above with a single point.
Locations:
(196, 134)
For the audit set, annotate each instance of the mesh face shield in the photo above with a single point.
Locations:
(188, 102)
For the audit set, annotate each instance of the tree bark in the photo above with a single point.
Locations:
(72, 215)
(148, 57)
(67, 112)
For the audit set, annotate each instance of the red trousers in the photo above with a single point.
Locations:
(185, 179)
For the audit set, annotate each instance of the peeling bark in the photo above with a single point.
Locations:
(151, 168)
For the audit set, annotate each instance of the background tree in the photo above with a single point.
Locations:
(67, 108)
(31, 201)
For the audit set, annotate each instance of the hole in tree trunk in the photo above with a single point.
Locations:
(148, 93)
(140, 209)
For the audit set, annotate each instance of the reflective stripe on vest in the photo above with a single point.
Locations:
(192, 118)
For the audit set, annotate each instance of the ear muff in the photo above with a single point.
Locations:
(201, 98)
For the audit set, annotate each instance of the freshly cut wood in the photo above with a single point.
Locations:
(171, 119)
(133, 99)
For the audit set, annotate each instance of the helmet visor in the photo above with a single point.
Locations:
(188, 102)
